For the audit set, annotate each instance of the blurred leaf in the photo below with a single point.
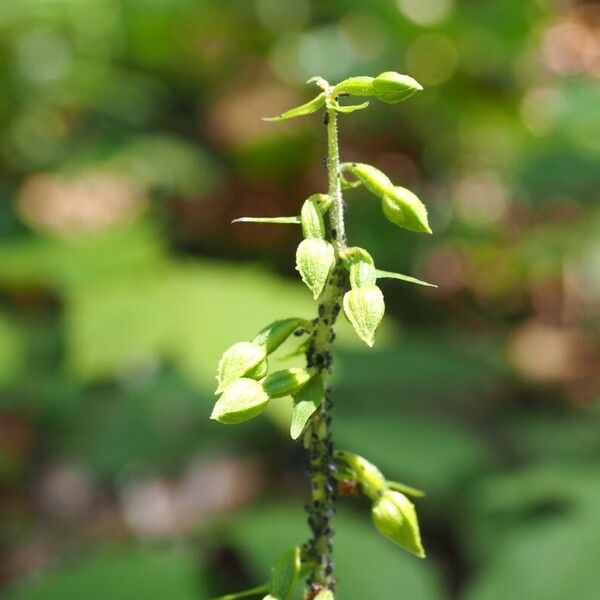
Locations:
(120, 575)
(11, 351)
(367, 565)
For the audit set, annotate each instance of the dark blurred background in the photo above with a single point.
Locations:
(131, 137)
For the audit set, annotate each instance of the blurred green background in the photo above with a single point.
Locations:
(130, 137)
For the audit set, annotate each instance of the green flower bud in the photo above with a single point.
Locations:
(366, 473)
(244, 399)
(274, 334)
(306, 402)
(285, 573)
(373, 179)
(404, 209)
(299, 111)
(365, 308)
(285, 382)
(355, 86)
(360, 266)
(391, 87)
(395, 517)
(314, 260)
(237, 361)
(312, 221)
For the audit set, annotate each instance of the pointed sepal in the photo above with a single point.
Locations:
(355, 86)
(365, 308)
(314, 260)
(312, 220)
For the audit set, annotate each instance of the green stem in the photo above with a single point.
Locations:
(318, 437)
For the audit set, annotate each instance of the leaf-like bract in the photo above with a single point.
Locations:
(274, 334)
(391, 275)
(272, 220)
(299, 111)
(306, 402)
(285, 573)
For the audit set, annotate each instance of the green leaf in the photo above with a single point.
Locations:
(395, 518)
(285, 382)
(365, 308)
(355, 86)
(285, 573)
(118, 574)
(306, 109)
(314, 260)
(390, 275)
(244, 399)
(237, 361)
(274, 334)
(306, 402)
(347, 109)
(391, 87)
(404, 209)
(276, 220)
(373, 179)
(360, 266)
(259, 589)
(312, 220)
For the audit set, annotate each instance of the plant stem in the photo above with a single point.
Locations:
(321, 466)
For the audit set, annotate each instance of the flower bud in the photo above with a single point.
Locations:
(285, 382)
(366, 473)
(314, 260)
(404, 209)
(365, 308)
(355, 86)
(244, 399)
(361, 267)
(391, 87)
(395, 518)
(237, 361)
(373, 179)
(312, 221)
